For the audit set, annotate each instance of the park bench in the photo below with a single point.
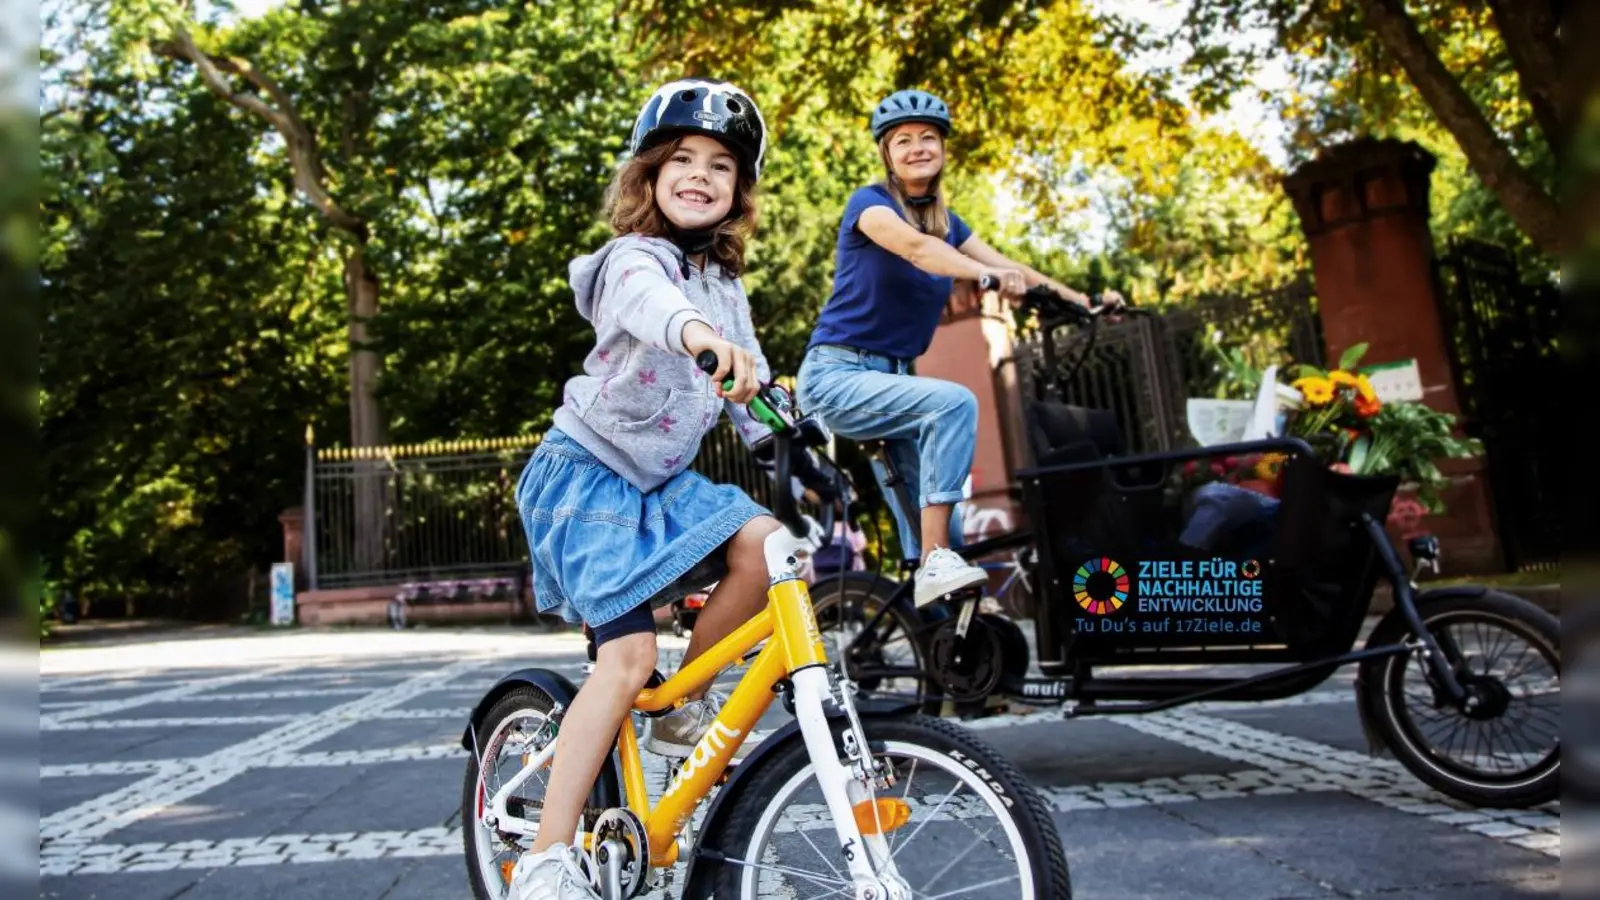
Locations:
(512, 590)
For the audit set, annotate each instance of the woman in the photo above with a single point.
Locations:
(900, 248)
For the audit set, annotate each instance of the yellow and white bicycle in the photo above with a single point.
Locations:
(849, 799)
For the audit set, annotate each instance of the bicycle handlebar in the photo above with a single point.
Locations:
(1055, 310)
(1052, 306)
(765, 408)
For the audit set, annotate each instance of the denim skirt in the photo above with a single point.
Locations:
(601, 546)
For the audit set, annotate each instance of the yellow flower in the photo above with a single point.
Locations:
(1317, 391)
(1356, 382)
(1269, 463)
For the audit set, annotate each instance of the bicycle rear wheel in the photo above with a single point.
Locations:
(896, 643)
(515, 729)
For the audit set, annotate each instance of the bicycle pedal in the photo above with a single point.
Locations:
(963, 594)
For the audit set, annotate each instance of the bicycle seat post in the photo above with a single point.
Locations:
(895, 493)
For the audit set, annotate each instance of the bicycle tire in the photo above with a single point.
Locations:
(1383, 696)
(872, 593)
(738, 834)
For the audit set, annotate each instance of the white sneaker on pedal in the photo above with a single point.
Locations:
(678, 732)
(945, 571)
(551, 875)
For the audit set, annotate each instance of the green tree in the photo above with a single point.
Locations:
(184, 344)
(1479, 78)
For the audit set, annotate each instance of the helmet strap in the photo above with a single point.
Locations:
(692, 242)
(922, 201)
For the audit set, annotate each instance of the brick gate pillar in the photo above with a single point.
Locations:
(1364, 208)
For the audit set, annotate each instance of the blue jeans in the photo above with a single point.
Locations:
(929, 427)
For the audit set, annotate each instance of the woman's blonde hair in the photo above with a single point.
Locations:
(931, 218)
(632, 209)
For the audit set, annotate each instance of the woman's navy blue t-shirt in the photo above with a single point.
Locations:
(881, 302)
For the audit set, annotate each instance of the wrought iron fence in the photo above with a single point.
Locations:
(423, 512)
(1145, 369)
(446, 511)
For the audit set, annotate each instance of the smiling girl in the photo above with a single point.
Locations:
(616, 522)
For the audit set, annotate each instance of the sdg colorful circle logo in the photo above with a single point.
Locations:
(1250, 569)
(1100, 586)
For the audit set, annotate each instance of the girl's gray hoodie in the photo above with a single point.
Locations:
(641, 405)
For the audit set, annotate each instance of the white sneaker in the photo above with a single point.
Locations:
(945, 571)
(677, 733)
(551, 875)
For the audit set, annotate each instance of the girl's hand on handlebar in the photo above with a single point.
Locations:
(733, 362)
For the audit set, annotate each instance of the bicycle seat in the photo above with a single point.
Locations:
(1060, 433)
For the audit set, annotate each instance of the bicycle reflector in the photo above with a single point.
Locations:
(882, 815)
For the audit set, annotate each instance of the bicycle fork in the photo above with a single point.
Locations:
(845, 783)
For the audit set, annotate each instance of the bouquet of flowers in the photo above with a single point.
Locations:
(1340, 416)
(1335, 408)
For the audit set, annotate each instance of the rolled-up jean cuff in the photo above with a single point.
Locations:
(946, 497)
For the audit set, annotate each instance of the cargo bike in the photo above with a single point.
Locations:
(1139, 565)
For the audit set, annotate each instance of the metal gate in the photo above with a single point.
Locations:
(1146, 369)
(1508, 376)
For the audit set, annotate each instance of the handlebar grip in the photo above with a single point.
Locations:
(987, 282)
(707, 361)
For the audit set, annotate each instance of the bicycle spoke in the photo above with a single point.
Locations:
(993, 882)
(934, 815)
(907, 793)
(818, 850)
(958, 858)
(838, 885)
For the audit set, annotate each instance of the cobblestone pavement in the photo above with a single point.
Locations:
(308, 765)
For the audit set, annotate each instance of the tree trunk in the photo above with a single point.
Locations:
(361, 288)
(367, 428)
(1530, 206)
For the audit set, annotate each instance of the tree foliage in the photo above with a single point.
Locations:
(357, 217)
(1475, 82)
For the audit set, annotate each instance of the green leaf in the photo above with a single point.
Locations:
(1352, 355)
(1359, 454)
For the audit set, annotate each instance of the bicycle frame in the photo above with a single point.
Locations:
(795, 653)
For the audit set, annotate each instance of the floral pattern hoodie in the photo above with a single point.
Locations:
(641, 405)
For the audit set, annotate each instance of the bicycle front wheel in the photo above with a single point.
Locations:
(977, 829)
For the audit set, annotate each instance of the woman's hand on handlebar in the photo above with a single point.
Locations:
(1010, 283)
(1114, 300)
(733, 361)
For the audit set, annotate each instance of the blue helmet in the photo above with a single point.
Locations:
(912, 105)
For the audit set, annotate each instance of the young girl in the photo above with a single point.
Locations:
(616, 523)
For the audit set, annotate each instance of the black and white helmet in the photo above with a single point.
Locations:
(702, 106)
